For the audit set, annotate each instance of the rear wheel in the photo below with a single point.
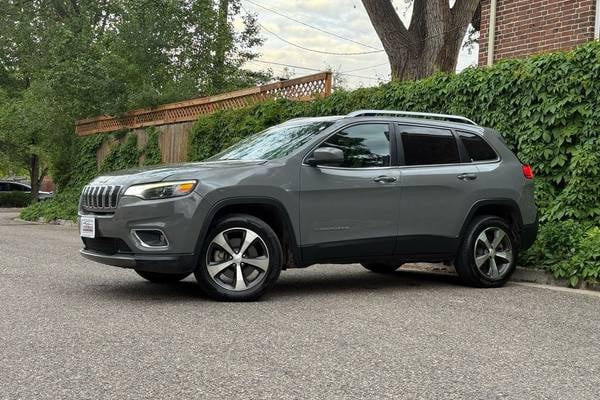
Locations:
(381, 268)
(241, 259)
(488, 254)
(157, 277)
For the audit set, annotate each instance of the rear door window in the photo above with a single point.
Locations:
(428, 146)
(477, 148)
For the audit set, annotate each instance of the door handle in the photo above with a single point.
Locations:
(385, 179)
(467, 177)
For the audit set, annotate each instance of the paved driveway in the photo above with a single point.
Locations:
(70, 328)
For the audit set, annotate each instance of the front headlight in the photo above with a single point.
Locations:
(161, 190)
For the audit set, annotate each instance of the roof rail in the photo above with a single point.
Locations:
(444, 117)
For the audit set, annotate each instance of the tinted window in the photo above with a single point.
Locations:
(3, 187)
(427, 146)
(477, 148)
(15, 187)
(364, 146)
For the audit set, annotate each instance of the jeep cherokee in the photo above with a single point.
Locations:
(380, 188)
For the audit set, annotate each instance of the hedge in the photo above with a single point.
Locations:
(547, 107)
(15, 199)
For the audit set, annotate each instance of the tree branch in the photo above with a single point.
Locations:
(387, 24)
(463, 11)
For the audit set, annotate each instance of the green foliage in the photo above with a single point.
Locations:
(65, 60)
(64, 204)
(151, 153)
(122, 156)
(582, 261)
(555, 242)
(14, 199)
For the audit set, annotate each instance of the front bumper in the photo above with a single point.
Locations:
(116, 243)
(167, 264)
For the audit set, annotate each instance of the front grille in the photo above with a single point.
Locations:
(100, 198)
(106, 245)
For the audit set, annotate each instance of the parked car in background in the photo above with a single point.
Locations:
(9, 186)
(380, 188)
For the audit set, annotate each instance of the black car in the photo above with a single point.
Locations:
(8, 186)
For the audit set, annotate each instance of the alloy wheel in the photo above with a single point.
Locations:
(237, 259)
(493, 253)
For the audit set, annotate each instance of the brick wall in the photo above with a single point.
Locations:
(526, 27)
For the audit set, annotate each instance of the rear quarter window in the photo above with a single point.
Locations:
(477, 148)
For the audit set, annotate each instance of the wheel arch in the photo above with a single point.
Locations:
(503, 208)
(268, 209)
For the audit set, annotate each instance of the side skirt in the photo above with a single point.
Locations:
(425, 248)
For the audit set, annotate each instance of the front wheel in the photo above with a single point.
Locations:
(488, 254)
(240, 260)
(157, 277)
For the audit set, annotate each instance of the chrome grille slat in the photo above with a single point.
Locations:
(110, 197)
(101, 198)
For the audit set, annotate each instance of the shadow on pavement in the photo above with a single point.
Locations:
(297, 285)
(359, 282)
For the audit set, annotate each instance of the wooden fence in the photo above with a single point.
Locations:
(304, 88)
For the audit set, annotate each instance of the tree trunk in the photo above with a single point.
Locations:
(432, 41)
(34, 169)
(221, 46)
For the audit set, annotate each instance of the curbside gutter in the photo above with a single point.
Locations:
(528, 275)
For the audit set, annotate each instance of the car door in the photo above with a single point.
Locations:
(438, 189)
(351, 209)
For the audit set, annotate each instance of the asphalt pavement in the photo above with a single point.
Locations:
(70, 328)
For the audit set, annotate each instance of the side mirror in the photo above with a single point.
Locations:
(325, 156)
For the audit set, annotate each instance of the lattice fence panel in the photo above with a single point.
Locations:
(304, 88)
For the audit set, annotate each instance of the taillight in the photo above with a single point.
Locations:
(527, 171)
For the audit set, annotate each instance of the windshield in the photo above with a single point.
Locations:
(275, 142)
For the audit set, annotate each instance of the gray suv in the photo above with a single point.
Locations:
(380, 188)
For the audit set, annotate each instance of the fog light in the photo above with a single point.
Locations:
(151, 238)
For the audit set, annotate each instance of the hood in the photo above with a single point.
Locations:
(163, 172)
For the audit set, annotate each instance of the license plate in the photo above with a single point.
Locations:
(87, 227)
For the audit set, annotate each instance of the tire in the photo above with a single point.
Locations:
(157, 277)
(234, 266)
(381, 268)
(488, 253)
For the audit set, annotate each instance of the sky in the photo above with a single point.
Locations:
(345, 18)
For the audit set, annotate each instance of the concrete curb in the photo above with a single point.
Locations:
(528, 275)
(60, 222)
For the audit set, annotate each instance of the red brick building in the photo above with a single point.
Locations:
(526, 27)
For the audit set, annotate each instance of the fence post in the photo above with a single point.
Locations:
(328, 82)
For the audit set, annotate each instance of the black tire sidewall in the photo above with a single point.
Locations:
(465, 265)
(270, 239)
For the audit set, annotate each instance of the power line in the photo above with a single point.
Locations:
(369, 67)
(312, 69)
(315, 50)
(312, 26)
(309, 49)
